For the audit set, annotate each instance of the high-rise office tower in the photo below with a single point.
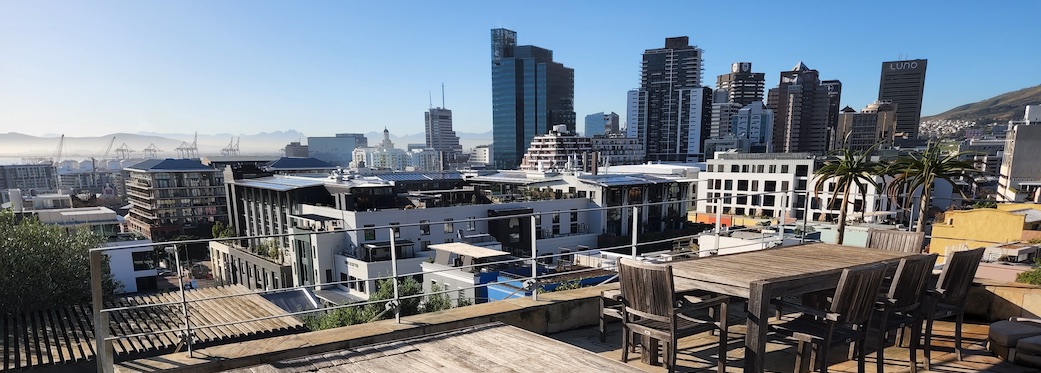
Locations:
(632, 113)
(674, 109)
(876, 124)
(601, 124)
(806, 111)
(530, 94)
(742, 85)
(902, 83)
(439, 133)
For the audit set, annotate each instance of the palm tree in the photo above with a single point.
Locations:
(850, 168)
(920, 170)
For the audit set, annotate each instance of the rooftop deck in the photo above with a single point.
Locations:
(567, 317)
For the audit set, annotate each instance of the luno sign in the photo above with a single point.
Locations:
(903, 65)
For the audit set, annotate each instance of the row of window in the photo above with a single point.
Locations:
(800, 170)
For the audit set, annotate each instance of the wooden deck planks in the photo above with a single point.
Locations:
(65, 334)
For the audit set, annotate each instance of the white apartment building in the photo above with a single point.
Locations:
(790, 177)
(1020, 170)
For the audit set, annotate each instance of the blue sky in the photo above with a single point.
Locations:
(242, 67)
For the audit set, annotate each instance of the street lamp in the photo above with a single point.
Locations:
(187, 336)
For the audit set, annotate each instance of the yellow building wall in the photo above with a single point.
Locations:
(975, 228)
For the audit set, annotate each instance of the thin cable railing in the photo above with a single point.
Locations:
(530, 283)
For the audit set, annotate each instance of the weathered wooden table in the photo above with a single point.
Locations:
(765, 274)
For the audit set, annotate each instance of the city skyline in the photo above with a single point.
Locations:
(234, 67)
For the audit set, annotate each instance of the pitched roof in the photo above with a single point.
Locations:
(159, 165)
(800, 67)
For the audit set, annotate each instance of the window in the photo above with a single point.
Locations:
(370, 234)
(556, 217)
(449, 240)
(802, 170)
(471, 223)
(784, 168)
(592, 195)
(396, 228)
(744, 168)
(742, 200)
(449, 226)
(711, 168)
(574, 228)
(755, 185)
(424, 245)
(733, 168)
(424, 227)
(143, 260)
(769, 186)
(728, 185)
(773, 169)
(742, 185)
(574, 215)
(784, 185)
(556, 229)
(759, 168)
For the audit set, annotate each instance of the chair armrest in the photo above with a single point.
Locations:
(807, 310)
(1024, 319)
(686, 306)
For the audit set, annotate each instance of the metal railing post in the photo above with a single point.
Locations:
(184, 301)
(394, 274)
(635, 229)
(805, 217)
(719, 222)
(103, 347)
(534, 261)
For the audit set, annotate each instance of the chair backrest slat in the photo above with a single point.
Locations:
(910, 281)
(856, 293)
(894, 240)
(957, 274)
(647, 288)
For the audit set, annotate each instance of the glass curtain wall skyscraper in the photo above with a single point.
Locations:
(530, 94)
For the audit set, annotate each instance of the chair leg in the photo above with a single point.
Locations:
(625, 343)
(823, 353)
(802, 358)
(913, 345)
(602, 321)
(957, 334)
(927, 348)
(860, 354)
(721, 363)
(880, 359)
(672, 354)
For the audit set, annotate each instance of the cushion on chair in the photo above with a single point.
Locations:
(1008, 333)
(1029, 345)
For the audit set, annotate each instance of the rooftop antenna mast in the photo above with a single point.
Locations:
(430, 98)
(443, 95)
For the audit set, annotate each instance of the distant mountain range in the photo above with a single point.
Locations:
(13, 145)
(1001, 108)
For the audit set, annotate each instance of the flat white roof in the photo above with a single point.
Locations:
(469, 250)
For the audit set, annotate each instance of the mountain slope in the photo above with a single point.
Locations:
(1001, 108)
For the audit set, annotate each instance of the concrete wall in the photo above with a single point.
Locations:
(975, 228)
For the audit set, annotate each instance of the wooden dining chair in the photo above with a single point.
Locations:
(894, 240)
(845, 320)
(948, 297)
(901, 306)
(652, 309)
